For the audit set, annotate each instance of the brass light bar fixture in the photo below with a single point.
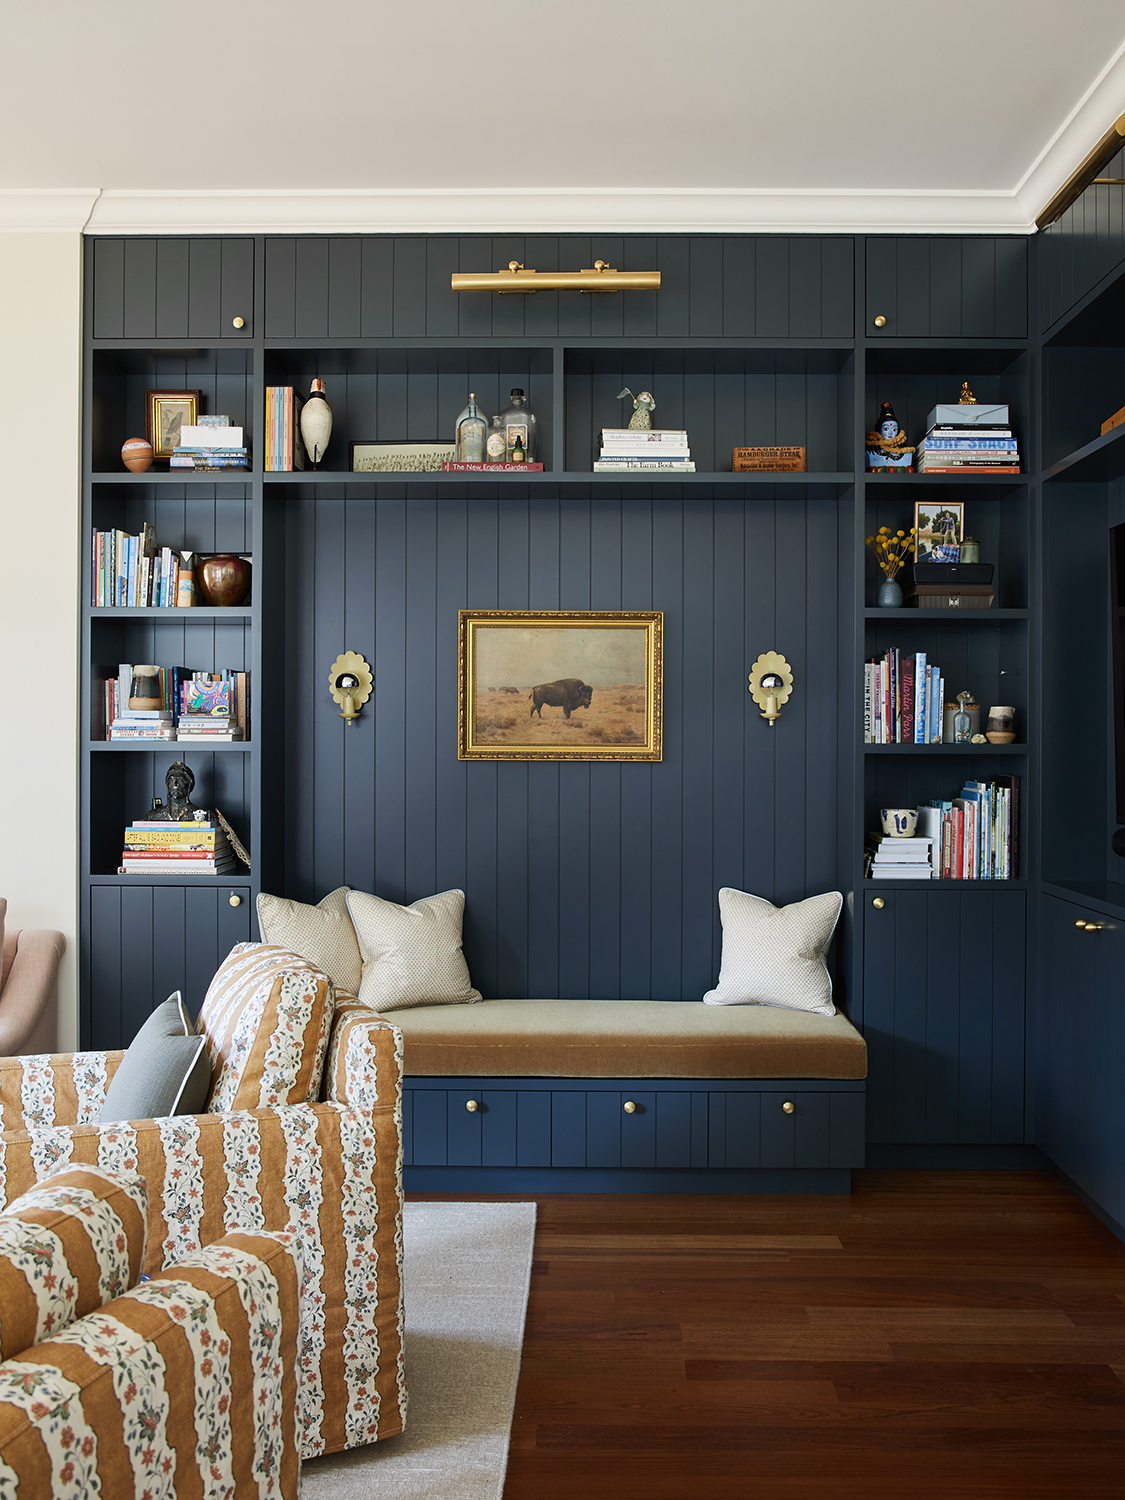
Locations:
(519, 279)
(1084, 174)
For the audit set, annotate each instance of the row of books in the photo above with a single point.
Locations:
(284, 449)
(974, 836)
(193, 705)
(211, 443)
(952, 448)
(134, 571)
(200, 847)
(903, 698)
(656, 450)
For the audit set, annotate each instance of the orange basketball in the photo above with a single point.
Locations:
(136, 454)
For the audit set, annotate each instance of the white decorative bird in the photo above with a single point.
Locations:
(316, 422)
(643, 407)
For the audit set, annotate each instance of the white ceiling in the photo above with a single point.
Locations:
(814, 112)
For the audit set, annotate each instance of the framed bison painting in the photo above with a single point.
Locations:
(560, 684)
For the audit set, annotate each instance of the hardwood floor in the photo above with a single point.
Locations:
(952, 1334)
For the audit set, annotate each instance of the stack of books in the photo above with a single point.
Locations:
(903, 698)
(955, 444)
(141, 724)
(196, 848)
(653, 450)
(213, 443)
(214, 707)
(284, 449)
(901, 859)
(134, 572)
(976, 834)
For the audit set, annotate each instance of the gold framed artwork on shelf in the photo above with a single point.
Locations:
(560, 685)
(165, 413)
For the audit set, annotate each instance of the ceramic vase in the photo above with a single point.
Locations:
(224, 579)
(1001, 727)
(136, 455)
(890, 594)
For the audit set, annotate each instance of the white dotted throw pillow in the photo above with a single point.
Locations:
(775, 955)
(411, 954)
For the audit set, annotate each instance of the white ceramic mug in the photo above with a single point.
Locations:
(899, 822)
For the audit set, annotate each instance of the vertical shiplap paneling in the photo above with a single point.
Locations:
(281, 288)
(1009, 960)
(140, 289)
(580, 878)
(302, 702)
(376, 294)
(311, 312)
(345, 286)
(171, 289)
(109, 288)
(910, 1006)
(441, 299)
(358, 743)
(937, 980)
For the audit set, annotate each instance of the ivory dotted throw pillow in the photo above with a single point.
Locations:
(775, 955)
(266, 1016)
(412, 954)
(323, 934)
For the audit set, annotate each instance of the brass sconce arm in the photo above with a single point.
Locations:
(600, 278)
(350, 682)
(771, 682)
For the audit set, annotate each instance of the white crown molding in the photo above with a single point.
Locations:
(45, 210)
(1078, 134)
(557, 211)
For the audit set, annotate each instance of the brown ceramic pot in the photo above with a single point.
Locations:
(224, 579)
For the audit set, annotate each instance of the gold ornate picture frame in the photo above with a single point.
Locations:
(560, 684)
(165, 413)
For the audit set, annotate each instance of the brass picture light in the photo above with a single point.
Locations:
(518, 278)
(1085, 175)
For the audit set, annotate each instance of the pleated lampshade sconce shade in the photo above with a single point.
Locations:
(316, 422)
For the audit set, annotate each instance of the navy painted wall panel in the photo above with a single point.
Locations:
(712, 287)
(1084, 246)
(581, 879)
(945, 286)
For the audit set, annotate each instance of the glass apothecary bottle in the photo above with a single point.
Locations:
(518, 420)
(496, 444)
(472, 430)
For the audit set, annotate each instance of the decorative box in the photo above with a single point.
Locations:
(949, 596)
(982, 414)
(767, 460)
(945, 575)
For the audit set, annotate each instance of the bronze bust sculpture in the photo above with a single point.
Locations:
(180, 783)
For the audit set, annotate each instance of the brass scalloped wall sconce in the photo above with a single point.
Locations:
(771, 682)
(350, 681)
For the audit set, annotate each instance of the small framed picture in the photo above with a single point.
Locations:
(561, 684)
(402, 458)
(165, 413)
(938, 530)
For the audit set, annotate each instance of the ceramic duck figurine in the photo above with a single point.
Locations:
(316, 422)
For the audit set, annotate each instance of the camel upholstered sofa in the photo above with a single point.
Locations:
(183, 1385)
(328, 1172)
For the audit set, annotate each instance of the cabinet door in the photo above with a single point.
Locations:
(943, 1014)
(145, 942)
(1081, 1050)
(946, 286)
(173, 288)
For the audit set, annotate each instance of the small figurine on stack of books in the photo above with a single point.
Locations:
(642, 448)
(969, 437)
(178, 838)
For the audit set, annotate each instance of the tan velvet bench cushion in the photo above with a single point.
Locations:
(626, 1039)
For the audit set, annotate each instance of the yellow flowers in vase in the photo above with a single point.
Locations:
(891, 549)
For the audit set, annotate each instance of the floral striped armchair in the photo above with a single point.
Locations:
(330, 1172)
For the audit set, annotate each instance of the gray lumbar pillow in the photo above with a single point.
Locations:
(164, 1072)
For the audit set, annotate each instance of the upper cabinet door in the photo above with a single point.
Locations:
(946, 287)
(198, 288)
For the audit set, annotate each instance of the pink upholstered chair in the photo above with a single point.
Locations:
(29, 989)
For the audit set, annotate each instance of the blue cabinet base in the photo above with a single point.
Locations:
(623, 1180)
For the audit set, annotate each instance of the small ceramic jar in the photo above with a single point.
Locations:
(1001, 727)
(899, 822)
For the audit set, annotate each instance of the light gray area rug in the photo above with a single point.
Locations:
(466, 1273)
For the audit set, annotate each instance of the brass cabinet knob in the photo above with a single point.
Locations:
(880, 321)
(235, 899)
(1094, 926)
(472, 1106)
(788, 1106)
(239, 322)
(878, 903)
(630, 1107)
(1081, 922)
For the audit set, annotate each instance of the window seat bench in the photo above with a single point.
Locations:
(630, 1096)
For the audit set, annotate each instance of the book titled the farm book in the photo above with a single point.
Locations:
(777, 460)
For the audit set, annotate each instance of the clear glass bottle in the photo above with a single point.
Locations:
(518, 420)
(496, 445)
(472, 430)
(962, 724)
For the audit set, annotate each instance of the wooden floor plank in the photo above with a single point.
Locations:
(936, 1335)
